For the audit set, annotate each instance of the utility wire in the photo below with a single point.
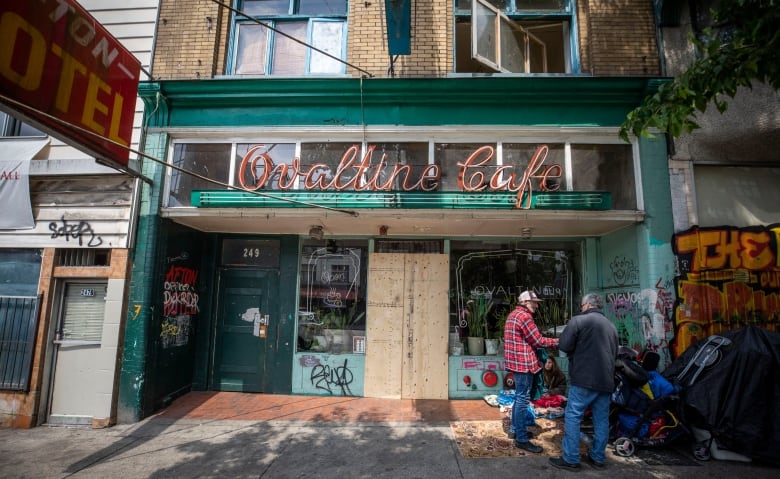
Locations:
(24, 107)
(239, 12)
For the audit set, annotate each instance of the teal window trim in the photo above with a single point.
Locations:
(558, 200)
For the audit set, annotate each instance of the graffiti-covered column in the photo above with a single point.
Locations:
(133, 384)
(654, 252)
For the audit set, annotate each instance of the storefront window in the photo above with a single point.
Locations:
(605, 168)
(20, 271)
(332, 307)
(261, 165)
(519, 155)
(323, 159)
(208, 160)
(448, 155)
(486, 278)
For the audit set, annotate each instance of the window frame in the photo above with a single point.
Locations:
(512, 16)
(12, 127)
(432, 139)
(270, 23)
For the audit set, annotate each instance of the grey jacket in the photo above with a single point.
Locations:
(590, 341)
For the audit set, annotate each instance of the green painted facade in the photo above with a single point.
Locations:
(222, 108)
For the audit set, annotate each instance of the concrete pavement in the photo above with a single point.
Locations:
(162, 447)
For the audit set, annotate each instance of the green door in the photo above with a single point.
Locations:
(248, 313)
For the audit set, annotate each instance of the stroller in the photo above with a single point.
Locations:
(643, 407)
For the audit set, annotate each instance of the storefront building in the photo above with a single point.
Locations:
(67, 227)
(342, 233)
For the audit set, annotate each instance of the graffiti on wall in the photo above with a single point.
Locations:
(325, 377)
(643, 318)
(180, 303)
(728, 277)
(81, 231)
(624, 271)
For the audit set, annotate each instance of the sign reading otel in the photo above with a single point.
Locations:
(56, 58)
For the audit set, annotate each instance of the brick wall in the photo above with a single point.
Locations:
(186, 40)
(617, 37)
(431, 39)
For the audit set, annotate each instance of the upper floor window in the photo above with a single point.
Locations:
(271, 48)
(515, 36)
(10, 126)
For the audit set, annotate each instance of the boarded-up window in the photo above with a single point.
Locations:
(83, 311)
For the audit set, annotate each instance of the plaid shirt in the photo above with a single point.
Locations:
(521, 338)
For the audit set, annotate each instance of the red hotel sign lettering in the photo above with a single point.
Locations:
(56, 58)
(360, 175)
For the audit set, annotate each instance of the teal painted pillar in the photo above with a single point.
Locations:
(654, 247)
(591, 265)
(134, 381)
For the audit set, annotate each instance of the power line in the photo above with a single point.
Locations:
(27, 108)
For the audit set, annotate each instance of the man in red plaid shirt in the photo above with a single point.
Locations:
(521, 339)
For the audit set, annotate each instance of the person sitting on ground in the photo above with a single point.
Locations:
(553, 378)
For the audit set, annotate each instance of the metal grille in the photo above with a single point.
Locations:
(18, 322)
(83, 257)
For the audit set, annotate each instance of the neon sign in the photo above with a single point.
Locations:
(356, 174)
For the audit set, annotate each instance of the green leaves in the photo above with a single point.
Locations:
(745, 47)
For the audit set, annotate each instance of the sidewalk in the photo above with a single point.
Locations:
(268, 436)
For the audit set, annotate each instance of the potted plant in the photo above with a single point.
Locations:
(477, 310)
(500, 313)
(337, 324)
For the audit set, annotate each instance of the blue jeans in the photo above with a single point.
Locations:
(580, 399)
(523, 383)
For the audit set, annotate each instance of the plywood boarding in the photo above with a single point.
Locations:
(425, 358)
(406, 351)
(384, 326)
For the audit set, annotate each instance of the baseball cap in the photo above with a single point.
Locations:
(528, 296)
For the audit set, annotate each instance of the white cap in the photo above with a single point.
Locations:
(528, 296)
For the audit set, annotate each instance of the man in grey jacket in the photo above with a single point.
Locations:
(590, 341)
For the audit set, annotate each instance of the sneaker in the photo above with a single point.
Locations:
(561, 464)
(529, 446)
(596, 464)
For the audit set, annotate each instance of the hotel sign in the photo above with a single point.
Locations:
(57, 59)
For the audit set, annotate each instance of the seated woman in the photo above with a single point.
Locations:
(553, 379)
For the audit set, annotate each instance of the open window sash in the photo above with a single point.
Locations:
(502, 44)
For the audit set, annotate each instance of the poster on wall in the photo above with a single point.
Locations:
(15, 185)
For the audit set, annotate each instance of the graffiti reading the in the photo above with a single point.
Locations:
(728, 277)
(76, 231)
(325, 378)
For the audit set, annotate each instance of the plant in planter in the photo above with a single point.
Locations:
(337, 324)
(500, 313)
(477, 310)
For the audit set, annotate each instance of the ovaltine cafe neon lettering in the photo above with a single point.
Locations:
(361, 175)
